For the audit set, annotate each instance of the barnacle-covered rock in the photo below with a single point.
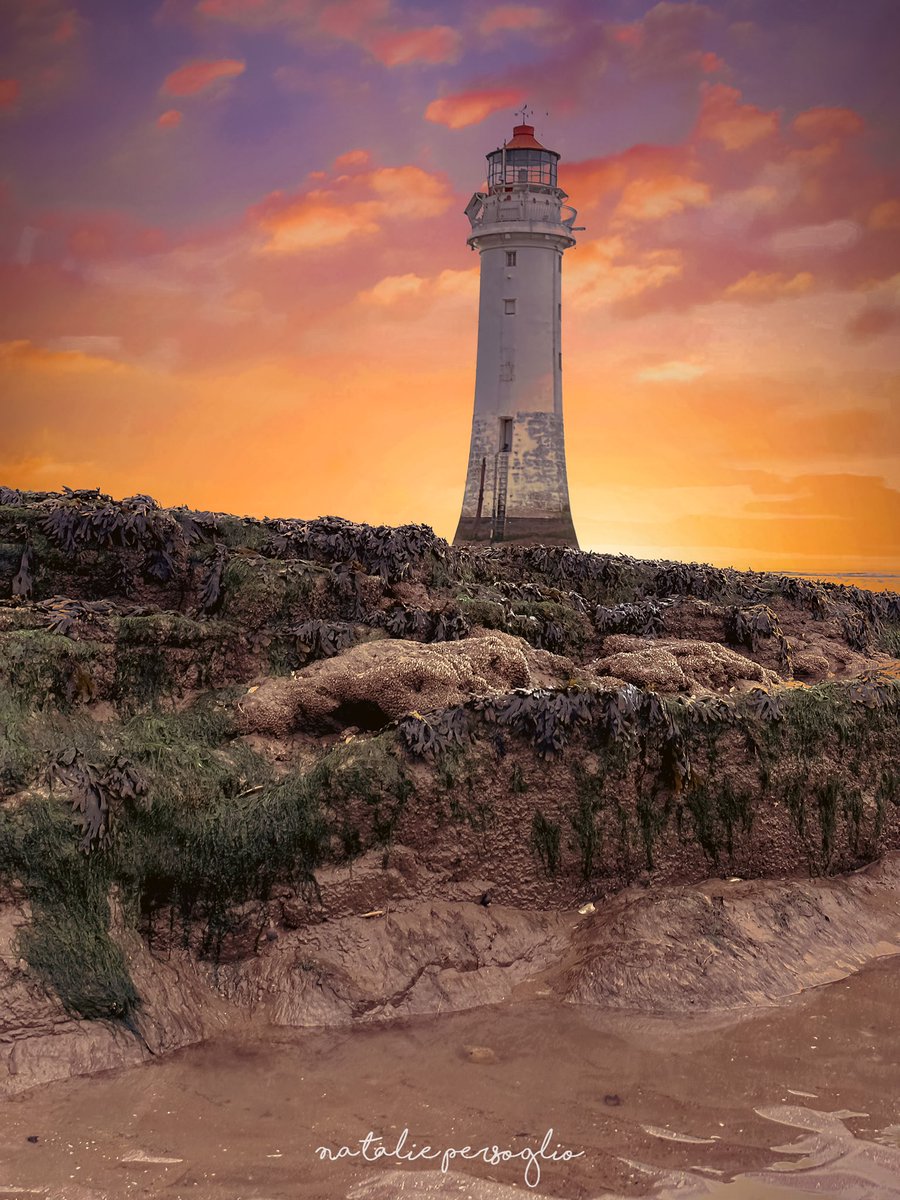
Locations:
(715, 667)
(811, 666)
(371, 684)
(546, 669)
(649, 667)
(679, 664)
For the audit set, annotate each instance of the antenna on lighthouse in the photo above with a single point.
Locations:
(524, 112)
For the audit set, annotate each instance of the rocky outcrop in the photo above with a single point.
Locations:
(375, 682)
(680, 665)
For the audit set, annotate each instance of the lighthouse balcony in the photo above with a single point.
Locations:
(522, 231)
(520, 225)
(540, 212)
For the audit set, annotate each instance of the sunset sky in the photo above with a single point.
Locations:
(235, 271)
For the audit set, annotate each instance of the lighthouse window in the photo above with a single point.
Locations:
(510, 258)
(505, 435)
(509, 307)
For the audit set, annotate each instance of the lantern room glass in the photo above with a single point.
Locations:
(522, 166)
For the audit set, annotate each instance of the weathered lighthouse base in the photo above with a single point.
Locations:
(530, 531)
(518, 493)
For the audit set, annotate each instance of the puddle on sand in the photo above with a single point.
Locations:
(782, 1104)
(831, 1163)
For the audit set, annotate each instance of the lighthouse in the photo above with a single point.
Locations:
(516, 486)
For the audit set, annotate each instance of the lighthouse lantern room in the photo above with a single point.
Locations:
(516, 486)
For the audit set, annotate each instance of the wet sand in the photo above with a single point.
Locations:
(793, 1101)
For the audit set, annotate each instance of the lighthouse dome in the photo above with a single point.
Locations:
(522, 160)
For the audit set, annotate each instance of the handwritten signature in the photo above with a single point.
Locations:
(373, 1149)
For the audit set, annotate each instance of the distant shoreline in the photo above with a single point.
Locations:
(873, 581)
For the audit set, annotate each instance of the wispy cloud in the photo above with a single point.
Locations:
(200, 75)
(460, 109)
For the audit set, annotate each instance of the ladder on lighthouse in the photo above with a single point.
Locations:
(502, 478)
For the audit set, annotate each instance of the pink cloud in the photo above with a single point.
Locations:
(770, 220)
(411, 296)
(610, 270)
(725, 120)
(347, 207)
(37, 59)
(240, 11)
(759, 286)
(65, 29)
(170, 118)
(96, 235)
(885, 215)
(710, 63)
(823, 123)
(643, 183)
(350, 19)
(666, 42)
(511, 18)
(361, 22)
(23, 351)
(10, 90)
(653, 198)
(874, 321)
(351, 160)
(469, 108)
(627, 35)
(201, 74)
(437, 44)
(828, 237)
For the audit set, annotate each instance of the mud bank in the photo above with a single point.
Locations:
(710, 948)
(772, 1104)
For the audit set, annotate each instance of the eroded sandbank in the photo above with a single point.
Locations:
(792, 1099)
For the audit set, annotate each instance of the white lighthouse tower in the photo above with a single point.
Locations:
(516, 486)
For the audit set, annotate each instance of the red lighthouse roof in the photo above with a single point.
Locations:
(523, 139)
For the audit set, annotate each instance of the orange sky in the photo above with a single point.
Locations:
(248, 290)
